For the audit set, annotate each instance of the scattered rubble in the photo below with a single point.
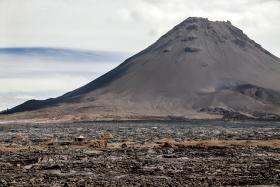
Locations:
(141, 154)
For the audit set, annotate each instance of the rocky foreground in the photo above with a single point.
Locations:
(140, 154)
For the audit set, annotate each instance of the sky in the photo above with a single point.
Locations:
(112, 26)
(127, 25)
(28, 73)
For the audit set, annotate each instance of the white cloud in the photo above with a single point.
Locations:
(127, 25)
(24, 77)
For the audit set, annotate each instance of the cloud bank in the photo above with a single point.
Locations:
(27, 73)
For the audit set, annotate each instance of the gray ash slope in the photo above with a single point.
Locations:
(198, 69)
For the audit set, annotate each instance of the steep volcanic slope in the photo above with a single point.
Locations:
(199, 69)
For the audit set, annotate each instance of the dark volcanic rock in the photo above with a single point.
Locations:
(252, 157)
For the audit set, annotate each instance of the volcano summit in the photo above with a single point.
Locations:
(198, 70)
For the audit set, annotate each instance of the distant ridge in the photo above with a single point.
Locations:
(200, 69)
(62, 54)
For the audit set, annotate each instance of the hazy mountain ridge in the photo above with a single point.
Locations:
(199, 69)
(32, 72)
(62, 54)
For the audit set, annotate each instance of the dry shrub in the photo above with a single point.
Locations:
(19, 137)
(97, 144)
(107, 136)
(167, 142)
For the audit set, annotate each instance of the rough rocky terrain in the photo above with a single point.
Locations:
(194, 153)
(200, 69)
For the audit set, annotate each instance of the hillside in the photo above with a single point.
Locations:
(199, 70)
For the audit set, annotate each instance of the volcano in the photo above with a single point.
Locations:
(200, 69)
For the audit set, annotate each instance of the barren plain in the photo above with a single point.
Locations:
(193, 153)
